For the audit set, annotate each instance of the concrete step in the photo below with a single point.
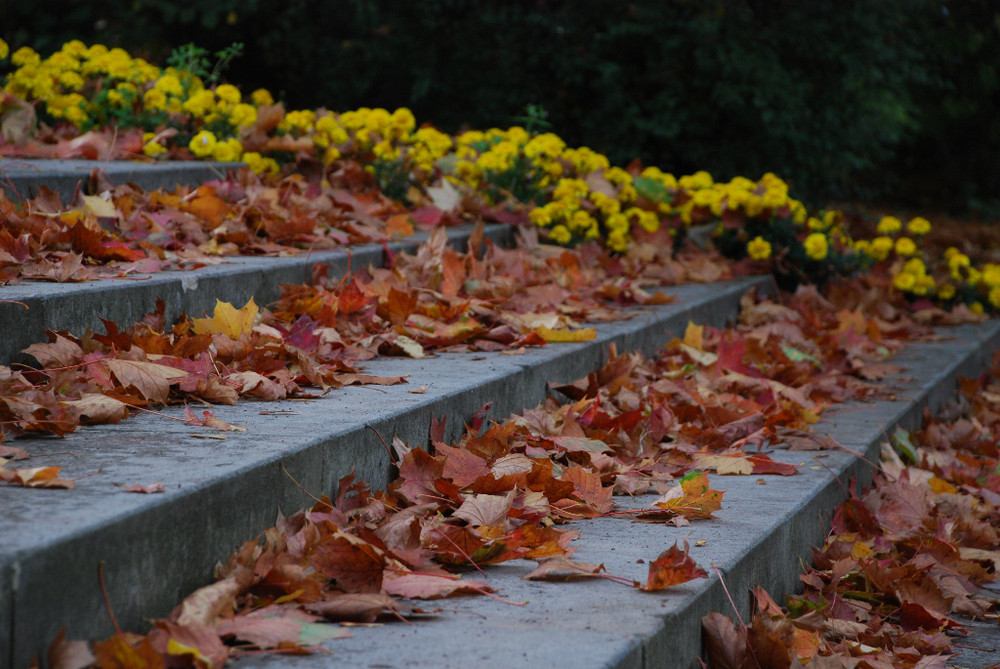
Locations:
(30, 308)
(157, 548)
(759, 538)
(20, 178)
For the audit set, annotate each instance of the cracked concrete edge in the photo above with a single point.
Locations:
(32, 307)
(22, 177)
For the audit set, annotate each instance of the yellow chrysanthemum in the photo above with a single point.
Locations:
(816, 246)
(881, 247)
(905, 247)
(904, 281)
(560, 234)
(918, 226)
(759, 248)
(203, 144)
(889, 225)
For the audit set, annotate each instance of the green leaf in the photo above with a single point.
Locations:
(652, 189)
(904, 446)
(795, 355)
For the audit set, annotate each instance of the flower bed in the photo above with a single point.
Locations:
(92, 101)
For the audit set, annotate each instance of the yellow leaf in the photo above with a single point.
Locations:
(861, 551)
(940, 486)
(548, 334)
(99, 207)
(228, 320)
(694, 335)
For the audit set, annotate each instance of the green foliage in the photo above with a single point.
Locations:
(194, 59)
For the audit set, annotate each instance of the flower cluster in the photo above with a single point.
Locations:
(572, 195)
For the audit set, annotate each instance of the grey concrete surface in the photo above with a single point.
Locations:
(758, 538)
(156, 548)
(20, 178)
(30, 308)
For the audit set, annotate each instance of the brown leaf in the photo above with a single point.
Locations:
(65, 654)
(118, 653)
(35, 477)
(672, 567)
(354, 563)
(151, 380)
(361, 607)
(724, 645)
(277, 626)
(561, 568)
(428, 586)
(146, 489)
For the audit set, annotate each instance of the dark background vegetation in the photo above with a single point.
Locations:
(880, 100)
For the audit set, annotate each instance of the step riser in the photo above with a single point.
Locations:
(21, 178)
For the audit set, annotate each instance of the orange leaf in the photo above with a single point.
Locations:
(694, 499)
(672, 567)
(36, 477)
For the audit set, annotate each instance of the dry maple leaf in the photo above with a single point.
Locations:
(228, 320)
(693, 498)
(672, 567)
(561, 568)
(151, 380)
(430, 586)
(35, 477)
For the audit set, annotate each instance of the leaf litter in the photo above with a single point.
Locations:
(513, 489)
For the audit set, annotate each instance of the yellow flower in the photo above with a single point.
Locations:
(4, 49)
(25, 56)
(759, 248)
(881, 247)
(203, 144)
(540, 216)
(199, 104)
(816, 246)
(946, 292)
(994, 297)
(261, 97)
(228, 151)
(150, 147)
(243, 115)
(229, 94)
(905, 247)
(889, 225)
(904, 281)
(991, 275)
(560, 234)
(918, 226)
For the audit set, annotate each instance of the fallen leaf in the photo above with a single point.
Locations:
(228, 320)
(550, 335)
(148, 488)
(672, 567)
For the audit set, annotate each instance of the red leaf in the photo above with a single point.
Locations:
(672, 567)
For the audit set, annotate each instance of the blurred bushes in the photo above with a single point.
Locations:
(885, 98)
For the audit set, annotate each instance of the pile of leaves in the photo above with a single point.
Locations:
(126, 230)
(714, 400)
(488, 299)
(904, 562)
